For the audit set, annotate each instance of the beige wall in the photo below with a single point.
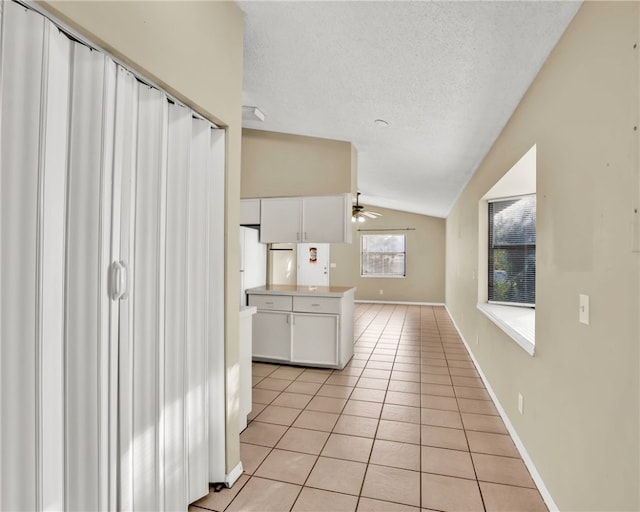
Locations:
(581, 390)
(354, 170)
(193, 50)
(425, 259)
(278, 164)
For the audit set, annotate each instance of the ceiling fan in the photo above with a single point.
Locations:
(358, 213)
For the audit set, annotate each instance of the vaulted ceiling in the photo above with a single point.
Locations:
(445, 76)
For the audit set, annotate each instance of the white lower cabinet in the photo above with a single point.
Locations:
(314, 339)
(271, 335)
(309, 330)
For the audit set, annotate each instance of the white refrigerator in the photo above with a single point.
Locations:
(253, 272)
(253, 262)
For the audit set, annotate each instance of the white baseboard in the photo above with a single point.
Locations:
(546, 495)
(399, 302)
(233, 475)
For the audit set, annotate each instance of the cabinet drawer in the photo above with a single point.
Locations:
(271, 302)
(317, 305)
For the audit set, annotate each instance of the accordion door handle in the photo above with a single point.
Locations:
(119, 280)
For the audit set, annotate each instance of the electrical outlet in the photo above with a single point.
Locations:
(520, 403)
(381, 292)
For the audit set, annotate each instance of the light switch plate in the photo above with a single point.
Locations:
(583, 316)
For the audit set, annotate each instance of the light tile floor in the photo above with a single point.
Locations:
(406, 426)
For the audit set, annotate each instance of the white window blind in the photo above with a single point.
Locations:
(383, 255)
(512, 251)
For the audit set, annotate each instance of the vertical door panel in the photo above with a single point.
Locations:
(122, 250)
(177, 199)
(52, 257)
(197, 311)
(85, 289)
(21, 80)
(52, 368)
(107, 310)
(217, 384)
(146, 300)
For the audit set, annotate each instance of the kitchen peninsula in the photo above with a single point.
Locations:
(303, 325)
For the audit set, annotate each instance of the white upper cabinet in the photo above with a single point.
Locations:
(280, 220)
(306, 219)
(326, 218)
(249, 212)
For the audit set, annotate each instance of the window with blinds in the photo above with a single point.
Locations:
(383, 256)
(512, 251)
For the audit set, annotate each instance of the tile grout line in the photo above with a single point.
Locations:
(364, 478)
(366, 470)
(331, 432)
(475, 472)
(285, 433)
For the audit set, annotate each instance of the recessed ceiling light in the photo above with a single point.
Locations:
(381, 122)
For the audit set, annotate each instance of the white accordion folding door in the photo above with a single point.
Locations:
(111, 279)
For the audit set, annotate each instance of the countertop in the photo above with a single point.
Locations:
(313, 291)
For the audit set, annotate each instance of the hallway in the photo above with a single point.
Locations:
(406, 426)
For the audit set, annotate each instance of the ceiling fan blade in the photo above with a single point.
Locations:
(371, 215)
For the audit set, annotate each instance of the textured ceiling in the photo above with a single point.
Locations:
(446, 76)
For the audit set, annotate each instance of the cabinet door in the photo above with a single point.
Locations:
(315, 339)
(249, 212)
(326, 219)
(271, 335)
(280, 220)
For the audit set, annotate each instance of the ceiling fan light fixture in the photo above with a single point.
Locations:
(359, 214)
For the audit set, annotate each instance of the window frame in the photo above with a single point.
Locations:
(525, 248)
(518, 323)
(385, 275)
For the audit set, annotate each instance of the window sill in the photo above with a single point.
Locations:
(518, 323)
